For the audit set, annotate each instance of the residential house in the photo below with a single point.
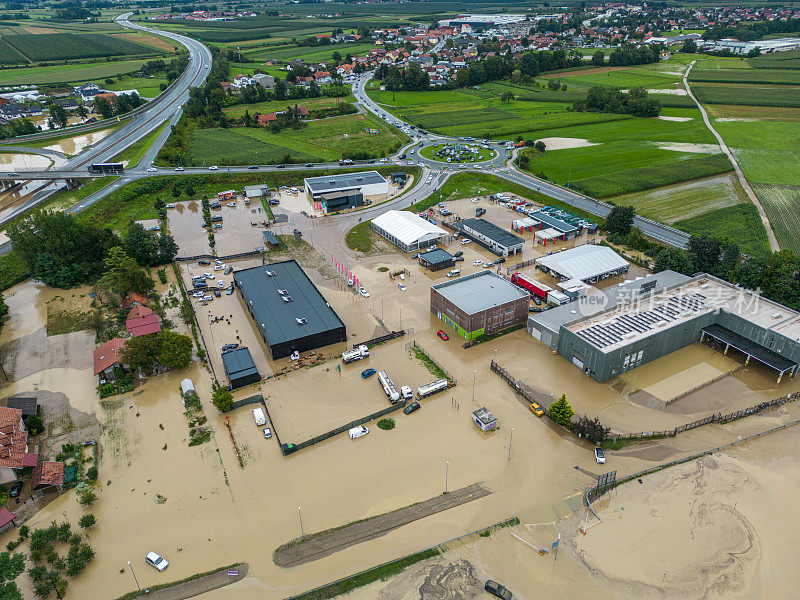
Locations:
(241, 81)
(134, 299)
(266, 119)
(142, 321)
(6, 520)
(48, 476)
(13, 443)
(88, 91)
(323, 77)
(264, 80)
(107, 356)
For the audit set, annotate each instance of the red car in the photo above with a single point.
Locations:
(442, 335)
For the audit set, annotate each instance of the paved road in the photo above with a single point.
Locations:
(773, 241)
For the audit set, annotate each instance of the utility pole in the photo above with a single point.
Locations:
(300, 514)
(446, 469)
(511, 439)
(134, 578)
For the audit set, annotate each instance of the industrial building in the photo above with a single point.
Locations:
(608, 333)
(480, 303)
(490, 236)
(240, 368)
(588, 263)
(436, 260)
(288, 311)
(406, 230)
(561, 229)
(481, 21)
(346, 190)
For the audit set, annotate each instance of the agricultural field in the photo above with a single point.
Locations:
(768, 152)
(728, 112)
(777, 60)
(277, 105)
(756, 76)
(617, 77)
(322, 140)
(740, 224)
(309, 53)
(754, 95)
(66, 46)
(782, 203)
(70, 73)
(146, 87)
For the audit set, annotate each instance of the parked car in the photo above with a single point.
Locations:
(466, 241)
(477, 263)
(15, 490)
(415, 255)
(253, 167)
(217, 294)
(367, 373)
(536, 409)
(267, 433)
(357, 432)
(495, 589)
(458, 259)
(363, 292)
(401, 287)
(212, 168)
(228, 270)
(600, 456)
(414, 406)
(204, 261)
(156, 561)
(459, 253)
(198, 295)
(500, 260)
(442, 335)
(274, 202)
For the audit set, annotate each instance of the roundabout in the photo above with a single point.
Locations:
(457, 152)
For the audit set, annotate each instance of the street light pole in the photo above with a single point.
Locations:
(381, 309)
(134, 577)
(511, 439)
(473, 384)
(300, 514)
(446, 469)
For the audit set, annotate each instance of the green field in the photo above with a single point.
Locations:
(322, 140)
(626, 78)
(136, 152)
(767, 151)
(309, 53)
(753, 95)
(777, 60)
(72, 73)
(277, 105)
(782, 204)
(740, 224)
(64, 46)
(764, 76)
(145, 87)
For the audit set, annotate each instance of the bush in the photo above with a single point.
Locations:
(386, 424)
(86, 496)
(34, 425)
(87, 520)
(222, 399)
(162, 275)
(91, 474)
(561, 412)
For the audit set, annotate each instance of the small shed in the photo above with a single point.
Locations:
(548, 235)
(399, 178)
(187, 388)
(270, 239)
(436, 260)
(256, 191)
(484, 419)
(27, 404)
(6, 520)
(240, 367)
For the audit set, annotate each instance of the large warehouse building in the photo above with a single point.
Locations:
(288, 310)
(490, 236)
(480, 303)
(646, 319)
(406, 230)
(346, 190)
(588, 263)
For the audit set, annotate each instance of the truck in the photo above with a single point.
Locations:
(258, 415)
(529, 284)
(388, 387)
(555, 298)
(355, 354)
(431, 388)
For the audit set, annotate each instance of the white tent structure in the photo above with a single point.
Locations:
(407, 230)
(588, 263)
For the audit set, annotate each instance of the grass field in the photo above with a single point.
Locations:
(754, 95)
(324, 139)
(740, 224)
(763, 76)
(757, 113)
(481, 155)
(146, 87)
(622, 78)
(777, 60)
(136, 152)
(782, 204)
(277, 105)
(767, 151)
(64, 46)
(68, 73)
(309, 53)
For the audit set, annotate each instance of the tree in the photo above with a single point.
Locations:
(11, 567)
(674, 259)
(507, 96)
(87, 520)
(590, 429)
(689, 46)
(620, 220)
(91, 474)
(176, 350)
(86, 496)
(540, 146)
(141, 245)
(123, 275)
(222, 399)
(599, 58)
(103, 106)
(81, 111)
(59, 114)
(561, 412)
(142, 352)
(34, 425)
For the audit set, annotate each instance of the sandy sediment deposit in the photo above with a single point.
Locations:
(688, 147)
(565, 143)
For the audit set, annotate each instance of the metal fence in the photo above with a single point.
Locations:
(382, 338)
(523, 264)
(289, 448)
(257, 399)
(226, 257)
(704, 385)
(414, 344)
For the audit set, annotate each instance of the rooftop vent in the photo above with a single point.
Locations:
(283, 292)
(287, 298)
(271, 273)
(777, 316)
(301, 320)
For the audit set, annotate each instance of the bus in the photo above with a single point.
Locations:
(115, 167)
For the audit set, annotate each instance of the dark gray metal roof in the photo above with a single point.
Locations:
(277, 318)
(270, 237)
(553, 222)
(480, 291)
(434, 257)
(238, 363)
(330, 183)
(742, 344)
(490, 230)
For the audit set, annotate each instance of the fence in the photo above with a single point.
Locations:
(289, 448)
(257, 399)
(706, 384)
(421, 350)
(382, 338)
(405, 560)
(523, 264)
(226, 257)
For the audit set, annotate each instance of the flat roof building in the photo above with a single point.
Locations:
(341, 200)
(240, 368)
(608, 333)
(287, 309)
(490, 236)
(480, 303)
(407, 230)
(368, 183)
(588, 263)
(436, 260)
(566, 230)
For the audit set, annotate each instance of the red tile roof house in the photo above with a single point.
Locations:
(48, 475)
(141, 321)
(6, 520)
(13, 441)
(266, 119)
(133, 299)
(107, 356)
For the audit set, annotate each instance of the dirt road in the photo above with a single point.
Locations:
(325, 544)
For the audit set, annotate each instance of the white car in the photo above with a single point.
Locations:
(465, 241)
(600, 456)
(219, 267)
(179, 168)
(152, 170)
(208, 276)
(363, 292)
(267, 433)
(401, 287)
(477, 263)
(198, 295)
(212, 168)
(475, 200)
(208, 298)
(231, 204)
(220, 284)
(154, 560)
(357, 432)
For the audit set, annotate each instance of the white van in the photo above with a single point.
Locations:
(258, 415)
(357, 432)
(454, 273)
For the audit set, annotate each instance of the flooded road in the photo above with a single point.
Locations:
(79, 143)
(14, 161)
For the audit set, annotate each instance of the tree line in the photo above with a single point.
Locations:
(636, 102)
